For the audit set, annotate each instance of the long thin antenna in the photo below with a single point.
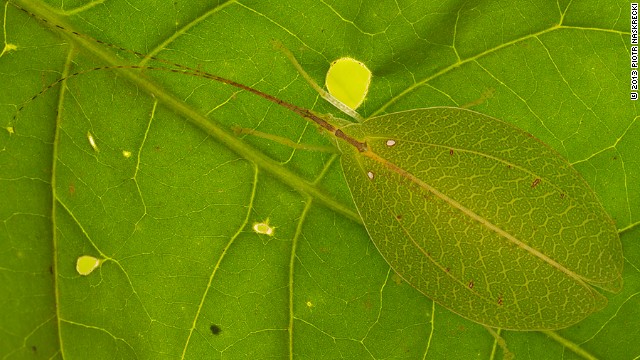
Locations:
(305, 113)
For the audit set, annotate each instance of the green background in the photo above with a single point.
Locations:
(174, 220)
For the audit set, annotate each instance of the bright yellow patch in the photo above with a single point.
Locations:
(126, 153)
(348, 81)
(86, 264)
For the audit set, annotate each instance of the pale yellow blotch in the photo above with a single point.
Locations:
(370, 175)
(86, 264)
(92, 141)
(126, 153)
(348, 81)
(10, 130)
(264, 228)
(309, 304)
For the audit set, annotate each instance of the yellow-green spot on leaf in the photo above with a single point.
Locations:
(10, 130)
(348, 81)
(309, 304)
(126, 153)
(86, 264)
(8, 48)
(264, 228)
(92, 141)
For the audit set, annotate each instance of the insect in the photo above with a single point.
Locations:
(443, 224)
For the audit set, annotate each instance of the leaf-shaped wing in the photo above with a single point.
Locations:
(482, 218)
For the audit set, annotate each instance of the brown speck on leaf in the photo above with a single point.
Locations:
(451, 152)
(615, 158)
(398, 217)
(215, 329)
(535, 183)
(447, 269)
(471, 284)
(562, 195)
(72, 189)
(500, 300)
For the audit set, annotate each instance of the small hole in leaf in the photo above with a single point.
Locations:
(264, 228)
(86, 264)
(348, 81)
(391, 143)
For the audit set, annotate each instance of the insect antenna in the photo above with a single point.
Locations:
(178, 68)
(143, 56)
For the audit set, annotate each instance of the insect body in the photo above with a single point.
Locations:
(459, 242)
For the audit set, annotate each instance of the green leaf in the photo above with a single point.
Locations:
(182, 271)
(483, 219)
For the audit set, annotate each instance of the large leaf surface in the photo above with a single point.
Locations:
(174, 220)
